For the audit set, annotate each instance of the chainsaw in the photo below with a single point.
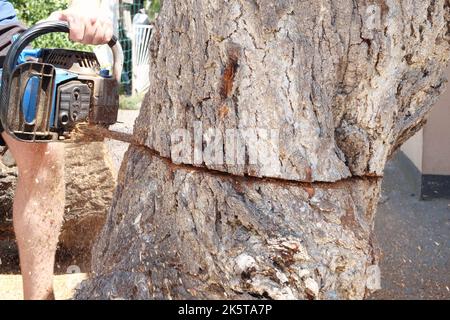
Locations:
(47, 93)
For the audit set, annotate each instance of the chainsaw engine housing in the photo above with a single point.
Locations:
(46, 93)
(58, 90)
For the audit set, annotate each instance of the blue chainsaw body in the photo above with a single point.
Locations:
(46, 93)
(30, 93)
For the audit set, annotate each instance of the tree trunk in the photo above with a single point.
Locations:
(261, 147)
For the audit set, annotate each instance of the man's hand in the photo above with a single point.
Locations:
(87, 24)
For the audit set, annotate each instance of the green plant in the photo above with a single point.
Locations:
(153, 9)
(131, 102)
(32, 11)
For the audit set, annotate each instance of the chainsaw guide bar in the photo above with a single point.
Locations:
(87, 133)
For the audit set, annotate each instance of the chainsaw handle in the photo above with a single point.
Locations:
(49, 27)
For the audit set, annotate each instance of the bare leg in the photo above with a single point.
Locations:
(38, 212)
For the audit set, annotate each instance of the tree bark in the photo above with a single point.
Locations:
(298, 106)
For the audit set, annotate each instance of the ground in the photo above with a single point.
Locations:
(414, 238)
(11, 286)
(125, 124)
(413, 235)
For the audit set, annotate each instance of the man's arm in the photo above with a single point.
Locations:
(87, 23)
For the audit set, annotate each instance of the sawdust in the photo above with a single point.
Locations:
(84, 132)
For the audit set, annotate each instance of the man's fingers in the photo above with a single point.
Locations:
(57, 15)
(103, 31)
(86, 29)
(76, 30)
(98, 34)
(89, 31)
(75, 24)
(107, 30)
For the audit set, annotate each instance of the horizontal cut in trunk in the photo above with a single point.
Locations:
(314, 95)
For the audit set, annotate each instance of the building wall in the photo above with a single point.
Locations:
(436, 135)
(429, 151)
(413, 148)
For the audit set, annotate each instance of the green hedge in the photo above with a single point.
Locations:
(32, 11)
(154, 8)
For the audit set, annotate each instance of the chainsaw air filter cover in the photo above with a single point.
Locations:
(74, 100)
(75, 61)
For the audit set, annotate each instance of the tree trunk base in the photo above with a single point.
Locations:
(180, 232)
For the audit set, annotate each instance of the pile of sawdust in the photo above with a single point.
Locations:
(84, 132)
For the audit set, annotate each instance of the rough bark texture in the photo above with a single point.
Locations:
(343, 81)
(341, 84)
(90, 181)
(192, 234)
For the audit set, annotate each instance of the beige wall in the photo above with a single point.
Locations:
(429, 149)
(436, 134)
(413, 148)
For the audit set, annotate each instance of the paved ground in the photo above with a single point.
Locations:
(11, 286)
(125, 124)
(414, 237)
